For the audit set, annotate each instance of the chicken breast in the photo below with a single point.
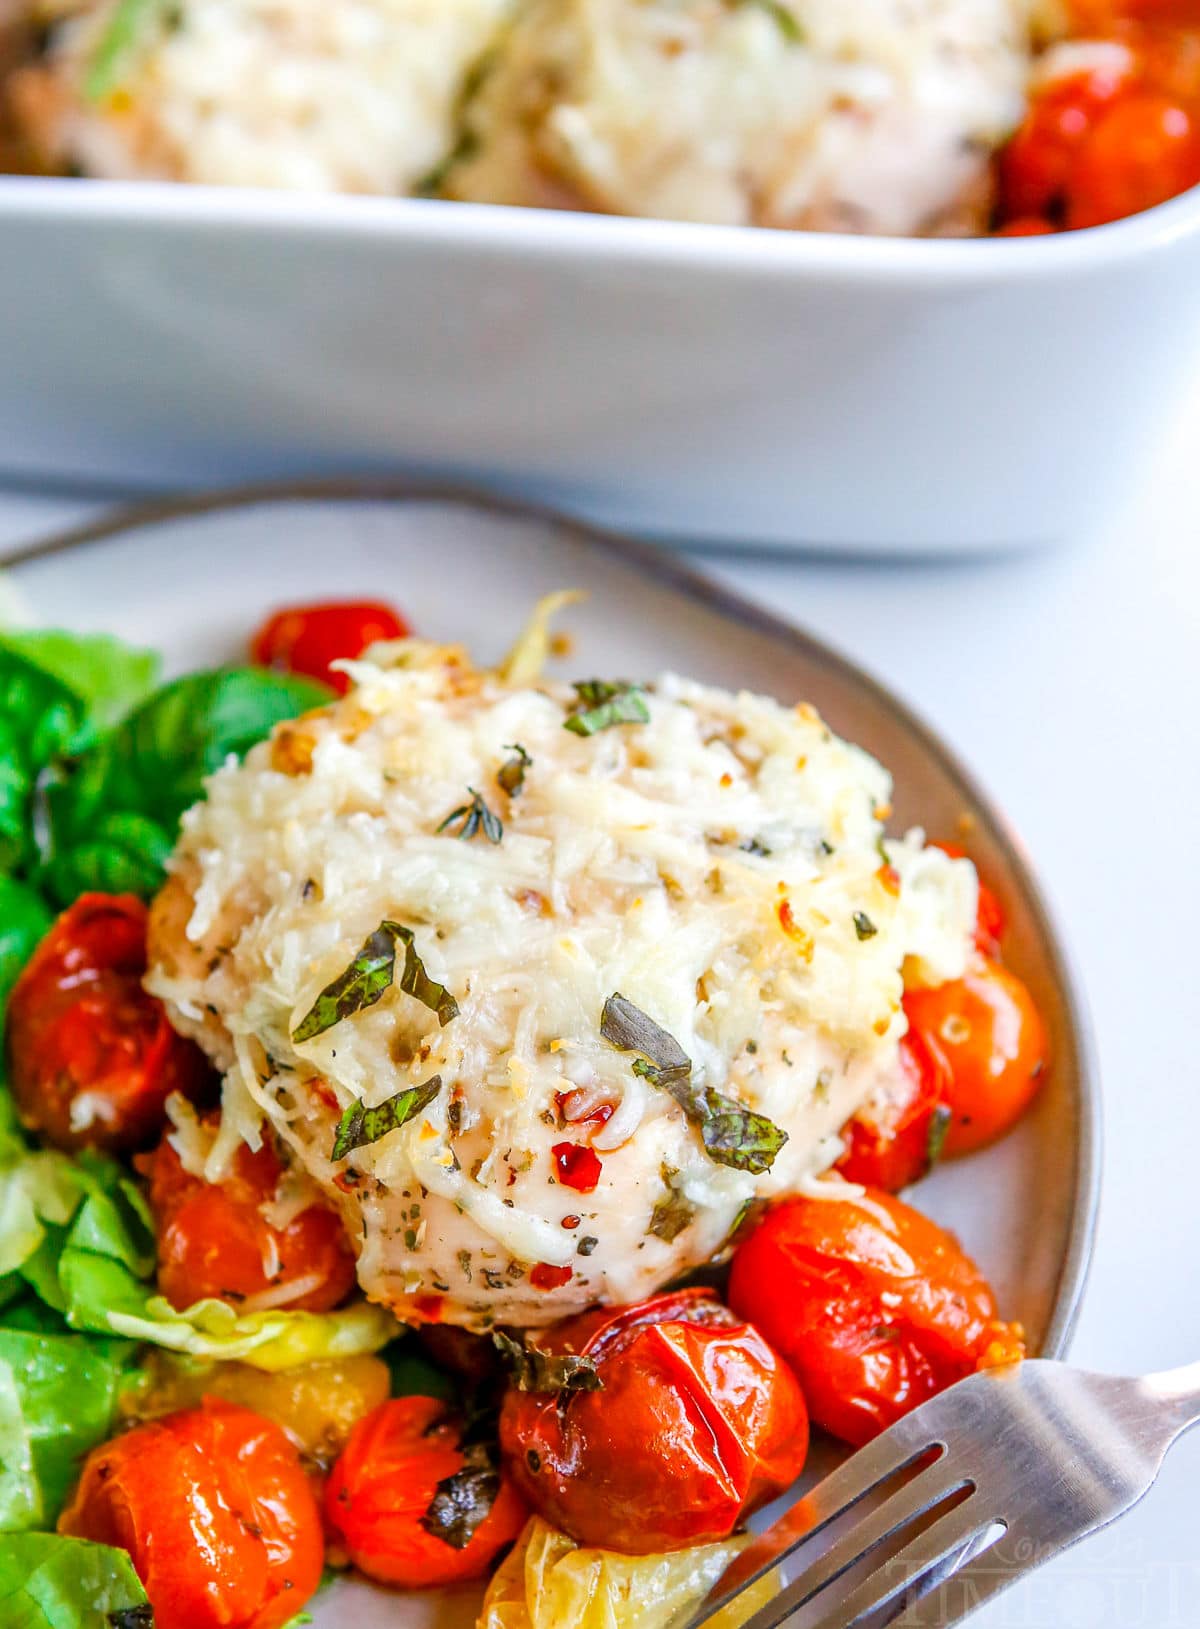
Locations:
(610, 964)
(837, 115)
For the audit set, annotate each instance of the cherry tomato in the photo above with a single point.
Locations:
(216, 1513)
(1144, 150)
(1036, 168)
(697, 1424)
(91, 1056)
(380, 1492)
(1026, 226)
(306, 638)
(875, 1307)
(895, 1147)
(213, 1239)
(989, 1044)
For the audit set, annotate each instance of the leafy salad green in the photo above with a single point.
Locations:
(98, 761)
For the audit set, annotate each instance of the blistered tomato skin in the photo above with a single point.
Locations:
(697, 1424)
(990, 1048)
(216, 1512)
(383, 1484)
(306, 638)
(875, 1307)
(213, 1239)
(91, 1057)
(896, 1149)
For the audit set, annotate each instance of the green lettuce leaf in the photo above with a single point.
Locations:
(41, 719)
(111, 815)
(75, 1231)
(48, 1582)
(109, 677)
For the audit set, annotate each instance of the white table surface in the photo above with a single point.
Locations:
(1071, 682)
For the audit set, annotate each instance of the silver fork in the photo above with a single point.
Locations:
(974, 1488)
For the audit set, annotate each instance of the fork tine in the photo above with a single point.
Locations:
(898, 1510)
(908, 1575)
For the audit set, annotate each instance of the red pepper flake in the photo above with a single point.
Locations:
(571, 1222)
(545, 1277)
(576, 1166)
(890, 878)
(569, 1103)
(794, 931)
(428, 1308)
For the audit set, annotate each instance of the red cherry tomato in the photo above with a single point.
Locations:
(216, 1513)
(306, 638)
(1036, 168)
(91, 1056)
(875, 1307)
(1144, 150)
(989, 1045)
(1026, 226)
(379, 1494)
(697, 1424)
(895, 1147)
(213, 1239)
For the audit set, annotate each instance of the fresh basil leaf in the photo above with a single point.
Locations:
(109, 676)
(602, 704)
(51, 1582)
(24, 919)
(510, 777)
(531, 1369)
(369, 976)
(461, 1502)
(117, 805)
(732, 1134)
(360, 1125)
(863, 925)
(939, 1126)
(40, 720)
(474, 817)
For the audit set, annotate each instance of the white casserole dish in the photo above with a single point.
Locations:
(718, 384)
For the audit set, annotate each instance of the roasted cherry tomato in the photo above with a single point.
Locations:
(306, 638)
(1037, 166)
(411, 1506)
(213, 1239)
(989, 1045)
(216, 1512)
(1144, 150)
(875, 1307)
(91, 1056)
(697, 1424)
(895, 1146)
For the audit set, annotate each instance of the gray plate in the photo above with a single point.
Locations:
(195, 578)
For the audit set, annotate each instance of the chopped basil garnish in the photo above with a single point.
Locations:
(510, 777)
(755, 845)
(360, 1125)
(534, 1370)
(732, 1134)
(785, 20)
(939, 1125)
(461, 1502)
(368, 976)
(602, 704)
(863, 925)
(672, 1214)
(474, 817)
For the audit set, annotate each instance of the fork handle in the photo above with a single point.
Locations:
(1178, 1392)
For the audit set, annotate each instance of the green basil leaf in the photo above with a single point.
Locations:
(109, 676)
(510, 777)
(24, 919)
(531, 1369)
(51, 1582)
(863, 925)
(939, 1126)
(112, 813)
(732, 1134)
(125, 33)
(369, 976)
(360, 1125)
(674, 1213)
(602, 704)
